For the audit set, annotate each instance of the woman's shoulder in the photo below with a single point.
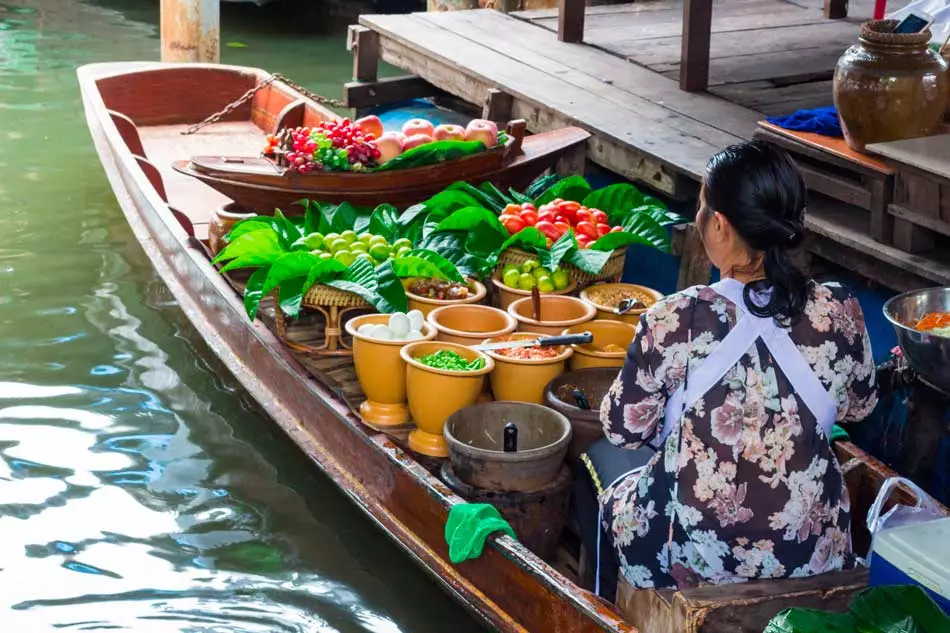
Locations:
(834, 308)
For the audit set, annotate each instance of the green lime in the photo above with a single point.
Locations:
(314, 241)
(510, 267)
(339, 244)
(378, 239)
(530, 265)
(329, 238)
(560, 279)
(379, 251)
(345, 257)
(325, 255)
(527, 281)
(401, 243)
(511, 278)
(349, 236)
(359, 247)
(540, 272)
(402, 252)
(545, 284)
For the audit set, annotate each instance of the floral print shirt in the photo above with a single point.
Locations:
(755, 488)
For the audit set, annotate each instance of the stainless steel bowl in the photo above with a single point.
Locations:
(928, 355)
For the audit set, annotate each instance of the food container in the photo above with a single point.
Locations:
(508, 295)
(927, 354)
(605, 332)
(427, 305)
(475, 436)
(434, 394)
(381, 372)
(597, 294)
(468, 324)
(594, 383)
(523, 379)
(914, 554)
(557, 313)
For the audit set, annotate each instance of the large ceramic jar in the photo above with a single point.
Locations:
(222, 223)
(889, 86)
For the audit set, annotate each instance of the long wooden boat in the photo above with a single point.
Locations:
(132, 114)
(257, 183)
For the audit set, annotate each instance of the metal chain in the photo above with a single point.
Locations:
(247, 96)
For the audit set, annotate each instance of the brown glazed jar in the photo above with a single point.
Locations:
(222, 223)
(889, 86)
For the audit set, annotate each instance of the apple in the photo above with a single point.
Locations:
(370, 125)
(390, 145)
(416, 140)
(418, 126)
(482, 130)
(449, 132)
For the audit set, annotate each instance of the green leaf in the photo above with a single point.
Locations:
(261, 243)
(322, 272)
(385, 221)
(616, 200)
(409, 266)
(645, 229)
(290, 296)
(253, 292)
(571, 188)
(446, 267)
(290, 266)
(247, 226)
(313, 216)
(253, 260)
(287, 231)
(662, 215)
(484, 240)
(392, 295)
(498, 198)
(469, 218)
(587, 260)
(551, 258)
(481, 196)
(362, 219)
(540, 185)
(519, 197)
(362, 272)
(528, 238)
(410, 215)
(650, 201)
(451, 199)
(338, 217)
(349, 286)
(451, 245)
(432, 153)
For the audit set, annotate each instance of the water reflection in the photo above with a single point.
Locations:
(140, 489)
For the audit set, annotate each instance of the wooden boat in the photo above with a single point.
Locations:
(258, 183)
(314, 399)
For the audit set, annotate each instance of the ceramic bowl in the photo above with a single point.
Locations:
(523, 380)
(557, 313)
(469, 324)
(605, 332)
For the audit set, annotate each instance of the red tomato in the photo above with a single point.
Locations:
(561, 218)
(546, 208)
(562, 227)
(616, 229)
(582, 215)
(530, 217)
(512, 222)
(527, 206)
(583, 241)
(547, 229)
(602, 229)
(512, 209)
(547, 216)
(557, 201)
(570, 206)
(587, 229)
(598, 216)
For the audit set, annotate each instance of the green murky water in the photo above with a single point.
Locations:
(139, 488)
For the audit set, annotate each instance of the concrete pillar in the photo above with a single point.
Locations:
(191, 31)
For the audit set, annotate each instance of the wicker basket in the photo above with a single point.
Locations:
(334, 304)
(612, 270)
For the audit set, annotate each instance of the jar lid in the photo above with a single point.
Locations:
(881, 32)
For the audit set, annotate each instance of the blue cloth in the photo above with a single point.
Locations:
(822, 121)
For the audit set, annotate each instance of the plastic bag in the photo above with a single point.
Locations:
(939, 10)
(926, 509)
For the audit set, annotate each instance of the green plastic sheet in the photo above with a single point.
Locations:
(891, 609)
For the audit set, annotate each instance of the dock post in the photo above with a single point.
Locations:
(191, 31)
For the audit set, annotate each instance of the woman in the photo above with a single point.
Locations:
(736, 386)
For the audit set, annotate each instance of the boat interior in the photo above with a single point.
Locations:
(155, 136)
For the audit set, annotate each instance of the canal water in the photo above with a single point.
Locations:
(140, 488)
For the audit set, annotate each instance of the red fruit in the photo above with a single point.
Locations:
(547, 229)
(546, 208)
(530, 217)
(598, 216)
(602, 229)
(512, 223)
(582, 215)
(557, 201)
(547, 216)
(512, 209)
(616, 229)
(548, 242)
(586, 228)
(562, 227)
(583, 241)
(527, 206)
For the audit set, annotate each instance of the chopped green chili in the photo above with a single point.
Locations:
(450, 361)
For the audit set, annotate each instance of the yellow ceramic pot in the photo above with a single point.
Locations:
(435, 394)
(381, 372)
(524, 380)
(590, 295)
(470, 324)
(427, 305)
(508, 295)
(557, 313)
(605, 332)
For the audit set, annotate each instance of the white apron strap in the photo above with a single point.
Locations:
(732, 348)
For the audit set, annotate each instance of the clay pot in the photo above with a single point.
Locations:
(507, 295)
(435, 394)
(605, 332)
(610, 314)
(475, 436)
(594, 383)
(427, 305)
(557, 313)
(222, 223)
(889, 86)
(470, 324)
(381, 372)
(523, 380)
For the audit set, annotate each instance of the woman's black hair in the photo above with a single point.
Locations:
(760, 191)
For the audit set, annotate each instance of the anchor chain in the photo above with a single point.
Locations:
(247, 96)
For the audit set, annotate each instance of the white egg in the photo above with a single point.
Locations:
(382, 332)
(416, 320)
(413, 335)
(399, 324)
(366, 329)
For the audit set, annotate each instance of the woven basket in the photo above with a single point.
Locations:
(333, 304)
(612, 270)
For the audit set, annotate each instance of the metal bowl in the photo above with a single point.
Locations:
(927, 354)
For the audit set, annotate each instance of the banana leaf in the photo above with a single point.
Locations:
(432, 153)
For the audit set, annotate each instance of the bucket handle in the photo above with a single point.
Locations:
(924, 501)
